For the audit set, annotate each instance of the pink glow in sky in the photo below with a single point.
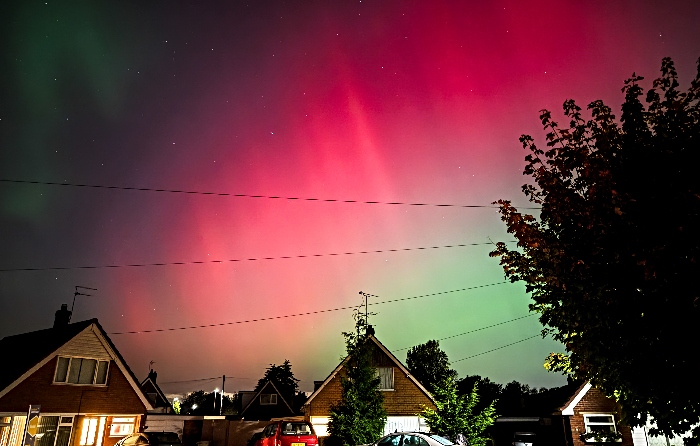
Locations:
(406, 101)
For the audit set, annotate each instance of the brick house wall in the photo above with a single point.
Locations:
(594, 401)
(405, 400)
(117, 397)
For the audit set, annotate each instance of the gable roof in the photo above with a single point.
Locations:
(393, 359)
(568, 407)
(255, 397)
(31, 351)
(149, 384)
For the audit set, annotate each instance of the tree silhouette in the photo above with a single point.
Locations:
(613, 258)
(428, 363)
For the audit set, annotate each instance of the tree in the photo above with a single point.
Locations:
(207, 403)
(283, 378)
(429, 364)
(455, 414)
(489, 392)
(612, 261)
(359, 417)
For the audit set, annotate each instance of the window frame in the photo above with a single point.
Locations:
(101, 370)
(273, 399)
(385, 389)
(118, 424)
(587, 424)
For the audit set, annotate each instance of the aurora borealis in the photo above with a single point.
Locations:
(387, 101)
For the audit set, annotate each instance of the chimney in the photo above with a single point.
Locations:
(153, 375)
(370, 330)
(62, 317)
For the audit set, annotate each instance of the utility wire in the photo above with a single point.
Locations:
(193, 380)
(203, 262)
(301, 314)
(497, 348)
(474, 331)
(226, 194)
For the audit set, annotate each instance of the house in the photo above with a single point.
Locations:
(156, 396)
(265, 404)
(76, 378)
(589, 411)
(404, 396)
(561, 416)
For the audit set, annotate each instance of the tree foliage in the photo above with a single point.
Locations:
(611, 262)
(359, 417)
(283, 378)
(206, 403)
(429, 364)
(456, 414)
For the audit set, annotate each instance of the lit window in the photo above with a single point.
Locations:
(91, 432)
(386, 378)
(122, 427)
(268, 398)
(81, 371)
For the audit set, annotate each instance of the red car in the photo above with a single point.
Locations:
(287, 433)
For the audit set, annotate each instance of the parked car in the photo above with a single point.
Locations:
(524, 439)
(254, 438)
(288, 433)
(413, 439)
(150, 439)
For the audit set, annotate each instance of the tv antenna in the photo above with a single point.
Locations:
(78, 293)
(366, 298)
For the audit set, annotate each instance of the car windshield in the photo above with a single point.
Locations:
(441, 440)
(296, 429)
(524, 436)
(165, 437)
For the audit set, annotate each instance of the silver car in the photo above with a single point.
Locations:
(413, 439)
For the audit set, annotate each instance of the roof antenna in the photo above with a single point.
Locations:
(78, 293)
(367, 313)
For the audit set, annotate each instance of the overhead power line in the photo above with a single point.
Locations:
(352, 307)
(226, 194)
(202, 262)
(497, 348)
(193, 380)
(475, 330)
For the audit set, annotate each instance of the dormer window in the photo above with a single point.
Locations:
(72, 370)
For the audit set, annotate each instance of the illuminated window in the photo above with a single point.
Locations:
(81, 371)
(92, 431)
(121, 427)
(386, 378)
(268, 398)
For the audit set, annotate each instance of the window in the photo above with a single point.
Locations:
(386, 378)
(122, 426)
(599, 423)
(81, 371)
(414, 440)
(268, 399)
(391, 440)
(92, 431)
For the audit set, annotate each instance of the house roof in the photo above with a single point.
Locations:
(570, 404)
(150, 383)
(30, 351)
(391, 356)
(255, 397)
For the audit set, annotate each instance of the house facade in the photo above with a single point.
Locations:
(588, 412)
(265, 404)
(85, 393)
(404, 396)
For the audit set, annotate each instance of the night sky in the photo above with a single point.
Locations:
(373, 101)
